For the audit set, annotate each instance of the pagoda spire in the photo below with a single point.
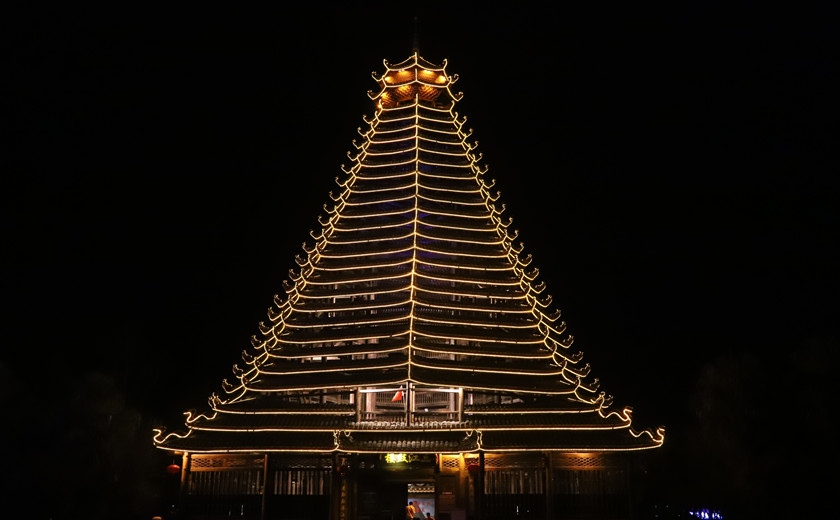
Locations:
(415, 42)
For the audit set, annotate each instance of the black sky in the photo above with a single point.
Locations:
(671, 169)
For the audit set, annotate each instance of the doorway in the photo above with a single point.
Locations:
(421, 496)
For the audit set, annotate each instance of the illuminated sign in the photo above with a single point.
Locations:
(409, 458)
(393, 458)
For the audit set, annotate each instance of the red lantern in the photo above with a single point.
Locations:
(173, 469)
(473, 467)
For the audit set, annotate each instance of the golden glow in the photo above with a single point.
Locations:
(394, 458)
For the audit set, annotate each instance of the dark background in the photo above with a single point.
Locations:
(670, 167)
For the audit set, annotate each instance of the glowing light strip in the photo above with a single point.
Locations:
(344, 308)
(468, 410)
(450, 201)
(475, 323)
(428, 162)
(443, 278)
(570, 449)
(324, 386)
(544, 391)
(394, 118)
(375, 134)
(361, 254)
(513, 341)
(324, 367)
(375, 139)
(339, 241)
(321, 323)
(417, 450)
(438, 131)
(386, 165)
(370, 227)
(458, 153)
(501, 354)
(451, 142)
(360, 191)
(453, 190)
(416, 118)
(440, 213)
(370, 264)
(366, 334)
(377, 201)
(302, 412)
(464, 176)
(460, 240)
(308, 355)
(486, 370)
(250, 450)
(358, 292)
(372, 215)
(358, 280)
(497, 310)
(368, 235)
(458, 144)
(264, 429)
(374, 177)
(438, 225)
(492, 240)
(426, 306)
(450, 252)
(439, 264)
(386, 153)
(402, 428)
(499, 296)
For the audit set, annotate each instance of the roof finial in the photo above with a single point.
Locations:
(415, 46)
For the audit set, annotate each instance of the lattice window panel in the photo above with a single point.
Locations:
(215, 483)
(302, 482)
(225, 462)
(430, 399)
(591, 461)
(302, 462)
(587, 482)
(523, 460)
(450, 462)
(515, 482)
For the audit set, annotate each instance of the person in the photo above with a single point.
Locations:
(409, 511)
(429, 516)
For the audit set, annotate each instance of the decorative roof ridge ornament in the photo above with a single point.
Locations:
(415, 44)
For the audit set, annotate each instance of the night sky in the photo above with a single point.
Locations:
(672, 169)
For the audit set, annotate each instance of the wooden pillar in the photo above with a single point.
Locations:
(352, 484)
(335, 490)
(409, 402)
(628, 468)
(186, 461)
(358, 402)
(549, 488)
(267, 485)
(479, 485)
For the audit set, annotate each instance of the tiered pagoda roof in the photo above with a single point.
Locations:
(414, 323)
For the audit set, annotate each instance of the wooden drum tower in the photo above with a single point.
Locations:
(413, 356)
